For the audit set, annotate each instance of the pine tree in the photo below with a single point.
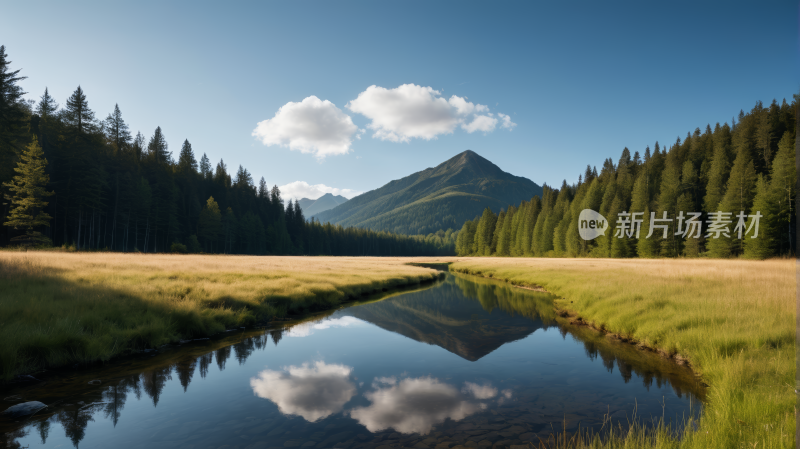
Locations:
(138, 146)
(78, 115)
(498, 229)
(263, 190)
(243, 178)
(738, 198)
(647, 247)
(27, 192)
(12, 114)
(157, 148)
(717, 178)
(763, 245)
(47, 106)
(186, 161)
(782, 191)
(117, 130)
(485, 232)
(205, 167)
(668, 202)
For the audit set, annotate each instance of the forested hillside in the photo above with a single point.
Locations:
(748, 166)
(111, 190)
(435, 198)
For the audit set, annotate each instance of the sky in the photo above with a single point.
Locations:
(346, 96)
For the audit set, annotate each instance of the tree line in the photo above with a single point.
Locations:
(745, 170)
(71, 179)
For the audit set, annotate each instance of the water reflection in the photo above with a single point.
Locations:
(468, 317)
(450, 318)
(313, 392)
(414, 406)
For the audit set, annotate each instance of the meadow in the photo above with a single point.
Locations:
(61, 309)
(732, 320)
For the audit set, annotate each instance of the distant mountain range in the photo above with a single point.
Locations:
(435, 198)
(328, 201)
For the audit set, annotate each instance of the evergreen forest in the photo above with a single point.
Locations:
(745, 167)
(74, 180)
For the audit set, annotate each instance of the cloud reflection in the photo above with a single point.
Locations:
(480, 391)
(413, 405)
(313, 392)
(306, 329)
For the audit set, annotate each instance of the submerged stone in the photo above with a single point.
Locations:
(24, 409)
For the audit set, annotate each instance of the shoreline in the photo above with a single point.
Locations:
(81, 309)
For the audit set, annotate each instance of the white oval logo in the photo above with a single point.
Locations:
(591, 224)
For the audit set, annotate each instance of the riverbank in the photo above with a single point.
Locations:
(61, 308)
(732, 320)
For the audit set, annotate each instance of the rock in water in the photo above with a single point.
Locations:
(24, 409)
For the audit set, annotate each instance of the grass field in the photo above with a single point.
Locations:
(65, 308)
(733, 320)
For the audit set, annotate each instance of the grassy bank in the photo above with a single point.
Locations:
(733, 320)
(65, 308)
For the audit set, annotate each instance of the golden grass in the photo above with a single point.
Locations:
(734, 320)
(62, 308)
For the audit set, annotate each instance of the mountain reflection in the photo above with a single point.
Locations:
(313, 392)
(415, 405)
(449, 317)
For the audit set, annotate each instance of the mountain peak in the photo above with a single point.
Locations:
(435, 198)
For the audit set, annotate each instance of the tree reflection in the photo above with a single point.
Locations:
(114, 397)
(205, 362)
(243, 349)
(185, 369)
(153, 382)
(222, 357)
(75, 420)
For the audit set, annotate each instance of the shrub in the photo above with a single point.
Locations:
(178, 248)
(193, 244)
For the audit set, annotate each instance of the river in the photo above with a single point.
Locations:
(465, 361)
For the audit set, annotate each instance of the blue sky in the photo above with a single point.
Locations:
(579, 80)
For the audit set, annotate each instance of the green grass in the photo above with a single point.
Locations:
(733, 320)
(65, 308)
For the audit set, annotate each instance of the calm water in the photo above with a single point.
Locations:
(466, 361)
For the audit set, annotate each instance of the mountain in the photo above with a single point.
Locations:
(328, 201)
(435, 198)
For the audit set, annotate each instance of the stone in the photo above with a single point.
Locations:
(484, 444)
(471, 443)
(24, 409)
(443, 445)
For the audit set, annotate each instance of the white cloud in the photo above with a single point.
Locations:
(311, 392)
(413, 406)
(416, 112)
(310, 126)
(480, 123)
(302, 189)
(507, 123)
